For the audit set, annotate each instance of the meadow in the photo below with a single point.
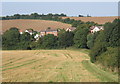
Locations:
(51, 66)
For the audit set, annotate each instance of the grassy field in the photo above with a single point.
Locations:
(34, 24)
(51, 66)
(99, 20)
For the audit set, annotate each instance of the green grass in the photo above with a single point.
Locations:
(99, 73)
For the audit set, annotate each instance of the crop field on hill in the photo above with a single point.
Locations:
(51, 66)
(99, 20)
(34, 24)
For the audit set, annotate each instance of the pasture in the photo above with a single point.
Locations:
(51, 66)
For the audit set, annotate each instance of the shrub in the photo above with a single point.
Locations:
(109, 58)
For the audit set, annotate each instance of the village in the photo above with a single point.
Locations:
(47, 31)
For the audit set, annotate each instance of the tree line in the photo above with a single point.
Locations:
(37, 16)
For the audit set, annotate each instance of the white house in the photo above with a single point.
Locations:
(20, 31)
(71, 29)
(94, 29)
(29, 31)
(37, 36)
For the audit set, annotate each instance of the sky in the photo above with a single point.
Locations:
(69, 8)
(60, 0)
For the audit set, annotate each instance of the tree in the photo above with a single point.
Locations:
(17, 16)
(80, 38)
(107, 38)
(34, 15)
(10, 39)
(91, 39)
(110, 58)
(25, 40)
(80, 16)
(49, 41)
(66, 39)
(112, 33)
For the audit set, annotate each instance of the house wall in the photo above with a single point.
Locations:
(42, 33)
(54, 33)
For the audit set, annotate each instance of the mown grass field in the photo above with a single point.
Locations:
(51, 66)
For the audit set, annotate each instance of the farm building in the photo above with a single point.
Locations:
(94, 29)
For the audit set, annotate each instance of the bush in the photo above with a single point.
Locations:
(109, 58)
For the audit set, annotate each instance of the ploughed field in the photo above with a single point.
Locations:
(50, 66)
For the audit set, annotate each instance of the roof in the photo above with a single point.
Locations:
(49, 30)
(71, 28)
(20, 31)
(92, 27)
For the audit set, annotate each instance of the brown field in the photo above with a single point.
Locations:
(34, 24)
(47, 66)
(99, 20)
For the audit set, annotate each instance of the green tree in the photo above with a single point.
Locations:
(10, 39)
(107, 38)
(66, 39)
(110, 58)
(49, 41)
(25, 40)
(91, 39)
(80, 38)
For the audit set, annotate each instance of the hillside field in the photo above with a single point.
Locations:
(51, 66)
(99, 20)
(34, 24)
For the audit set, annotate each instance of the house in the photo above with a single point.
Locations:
(20, 31)
(71, 29)
(49, 31)
(37, 36)
(30, 31)
(94, 29)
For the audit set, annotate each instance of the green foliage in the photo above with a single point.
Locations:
(96, 51)
(25, 41)
(49, 16)
(49, 42)
(100, 52)
(80, 38)
(112, 33)
(91, 39)
(65, 39)
(10, 39)
(109, 58)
